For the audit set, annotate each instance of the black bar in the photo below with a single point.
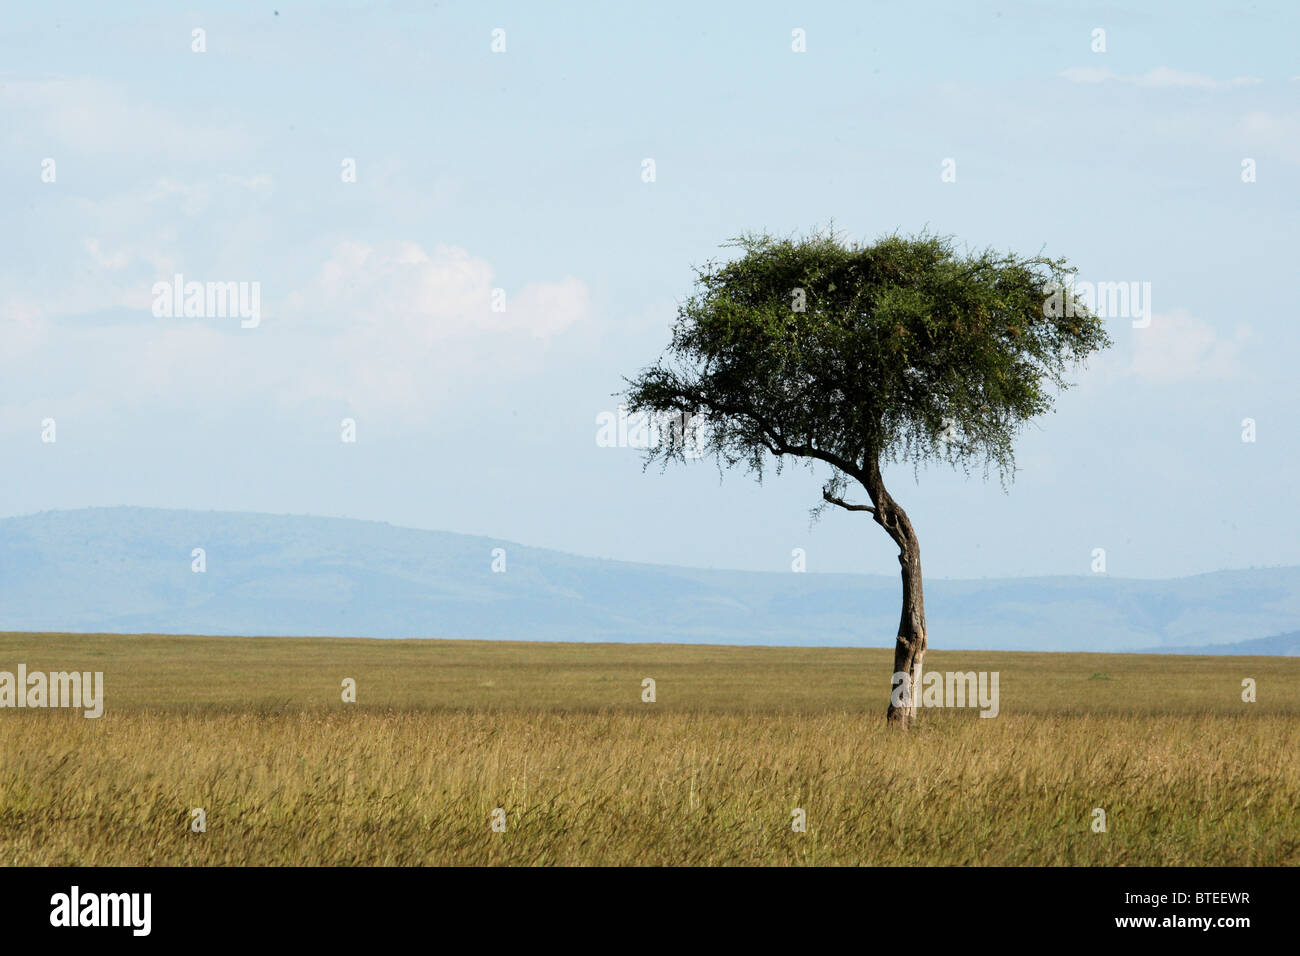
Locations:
(944, 907)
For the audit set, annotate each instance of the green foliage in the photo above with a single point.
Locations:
(849, 354)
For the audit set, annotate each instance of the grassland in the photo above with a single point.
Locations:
(255, 732)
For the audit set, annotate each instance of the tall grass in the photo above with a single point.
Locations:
(256, 734)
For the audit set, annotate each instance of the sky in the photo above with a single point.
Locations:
(448, 216)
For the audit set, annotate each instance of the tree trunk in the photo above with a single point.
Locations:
(909, 651)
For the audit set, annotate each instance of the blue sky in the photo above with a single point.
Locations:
(522, 171)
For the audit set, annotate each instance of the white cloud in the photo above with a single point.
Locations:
(192, 198)
(260, 184)
(391, 328)
(1085, 74)
(403, 326)
(1280, 132)
(114, 261)
(82, 113)
(1176, 347)
(1162, 77)
(425, 297)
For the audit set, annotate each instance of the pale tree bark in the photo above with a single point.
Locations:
(909, 651)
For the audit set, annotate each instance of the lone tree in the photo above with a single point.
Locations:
(851, 356)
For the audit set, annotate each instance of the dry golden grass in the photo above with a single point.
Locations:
(254, 731)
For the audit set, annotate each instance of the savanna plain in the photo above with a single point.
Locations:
(556, 742)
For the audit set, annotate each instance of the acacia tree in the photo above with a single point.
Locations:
(849, 357)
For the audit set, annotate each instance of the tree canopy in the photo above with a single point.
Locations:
(854, 355)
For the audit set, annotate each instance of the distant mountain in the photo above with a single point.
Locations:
(1280, 645)
(125, 570)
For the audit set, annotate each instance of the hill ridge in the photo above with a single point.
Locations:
(128, 569)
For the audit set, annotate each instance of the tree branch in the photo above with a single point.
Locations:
(844, 504)
(684, 395)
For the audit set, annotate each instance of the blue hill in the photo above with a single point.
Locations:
(126, 570)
